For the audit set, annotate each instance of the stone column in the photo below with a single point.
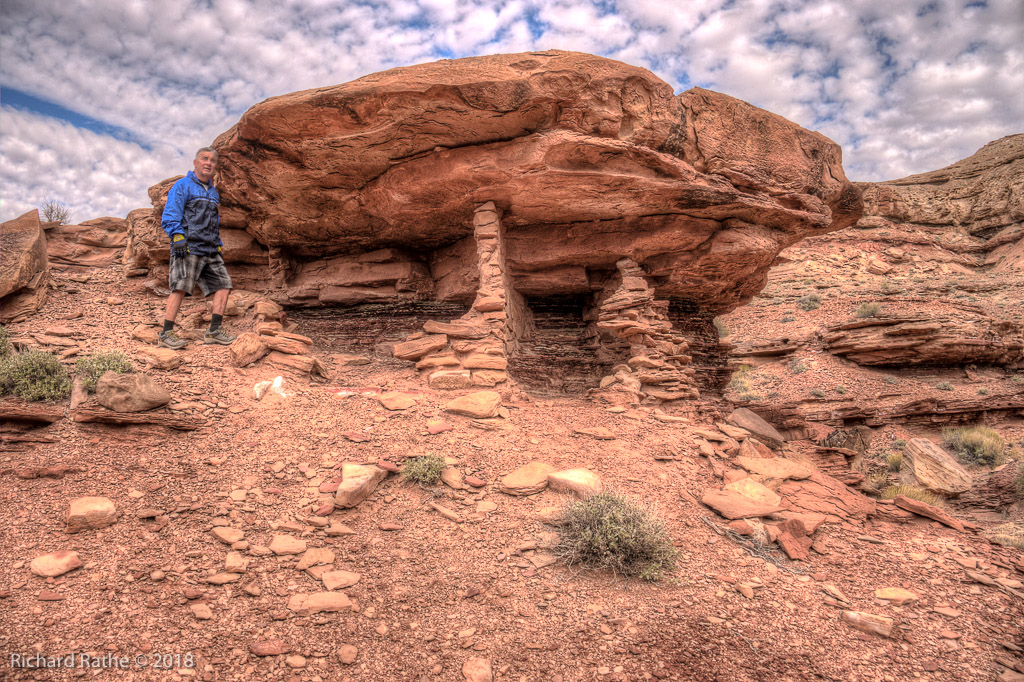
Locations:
(473, 350)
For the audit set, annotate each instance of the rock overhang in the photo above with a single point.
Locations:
(588, 160)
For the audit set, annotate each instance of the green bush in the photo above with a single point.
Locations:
(868, 310)
(611, 531)
(944, 386)
(95, 366)
(811, 302)
(976, 445)
(899, 443)
(425, 470)
(894, 460)
(798, 367)
(787, 318)
(876, 480)
(5, 342)
(840, 389)
(890, 379)
(817, 393)
(34, 375)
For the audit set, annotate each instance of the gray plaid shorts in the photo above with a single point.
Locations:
(206, 271)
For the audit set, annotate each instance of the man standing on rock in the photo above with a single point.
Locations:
(192, 221)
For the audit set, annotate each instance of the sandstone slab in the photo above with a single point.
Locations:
(159, 358)
(319, 602)
(936, 469)
(24, 268)
(735, 505)
(55, 563)
(283, 545)
(357, 483)
(247, 348)
(396, 400)
(748, 420)
(580, 482)
(89, 513)
(338, 580)
(928, 510)
(134, 392)
(528, 479)
(480, 405)
(776, 467)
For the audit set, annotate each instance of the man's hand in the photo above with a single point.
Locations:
(178, 247)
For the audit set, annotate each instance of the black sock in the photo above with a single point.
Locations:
(168, 325)
(215, 322)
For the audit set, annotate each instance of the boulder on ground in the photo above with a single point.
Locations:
(580, 482)
(247, 348)
(357, 482)
(24, 268)
(758, 427)
(528, 479)
(319, 602)
(133, 392)
(55, 563)
(936, 469)
(88, 513)
(480, 405)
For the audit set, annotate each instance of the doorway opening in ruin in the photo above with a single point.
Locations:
(558, 352)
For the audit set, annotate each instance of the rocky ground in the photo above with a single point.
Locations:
(218, 552)
(434, 593)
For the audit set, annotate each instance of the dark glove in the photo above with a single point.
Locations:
(178, 246)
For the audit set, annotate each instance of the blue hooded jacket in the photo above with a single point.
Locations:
(192, 210)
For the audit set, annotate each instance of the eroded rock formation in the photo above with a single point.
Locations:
(24, 269)
(602, 185)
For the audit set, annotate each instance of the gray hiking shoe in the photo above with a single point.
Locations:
(170, 339)
(219, 336)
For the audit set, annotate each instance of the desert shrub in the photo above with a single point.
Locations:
(723, 331)
(5, 342)
(425, 470)
(817, 393)
(612, 531)
(944, 386)
(840, 389)
(798, 367)
(868, 310)
(877, 480)
(1010, 534)
(913, 492)
(810, 302)
(894, 460)
(982, 391)
(976, 445)
(890, 379)
(34, 375)
(56, 211)
(95, 366)
(899, 443)
(787, 318)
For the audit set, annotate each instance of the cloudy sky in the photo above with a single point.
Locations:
(99, 99)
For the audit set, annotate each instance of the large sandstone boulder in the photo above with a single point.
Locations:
(936, 469)
(586, 159)
(24, 269)
(94, 243)
(133, 392)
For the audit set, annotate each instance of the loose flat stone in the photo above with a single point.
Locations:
(223, 578)
(234, 562)
(479, 405)
(87, 513)
(735, 505)
(227, 535)
(929, 511)
(598, 432)
(529, 479)
(339, 529)
(896, 595)
(55, 563)
(319, 602)
(338, 580)
(746, 419)
(357, 483)
(776, 467)
(315, 556)
(285, 544)
(452, 477)
(868, 622)
(395, 400)
(269, 647)
(201, 611)
(579, 482)
(947, 611)
(937, 470)
(477, 670)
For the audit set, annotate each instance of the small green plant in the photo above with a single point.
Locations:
(95, 366)
(899, 443)
(944, 386)
(723, 331)
(5, 342)
(817, 393)
(809, 302)
(982, 391)
(976, 445)
(798, 367)
(425, 470)
(611, 531)
(894, 460)
(840, 389)
(787, 318)
(890, 379)
(868, 310)
(34, 375)
(1010, 534)
(911, 491)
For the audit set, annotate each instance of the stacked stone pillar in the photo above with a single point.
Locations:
(473, 350)
(633, 327)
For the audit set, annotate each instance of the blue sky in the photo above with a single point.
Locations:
(99, 99)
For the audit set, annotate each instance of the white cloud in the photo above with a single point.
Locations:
(904, 87)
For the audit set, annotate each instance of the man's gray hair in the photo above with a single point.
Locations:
(208, 149)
